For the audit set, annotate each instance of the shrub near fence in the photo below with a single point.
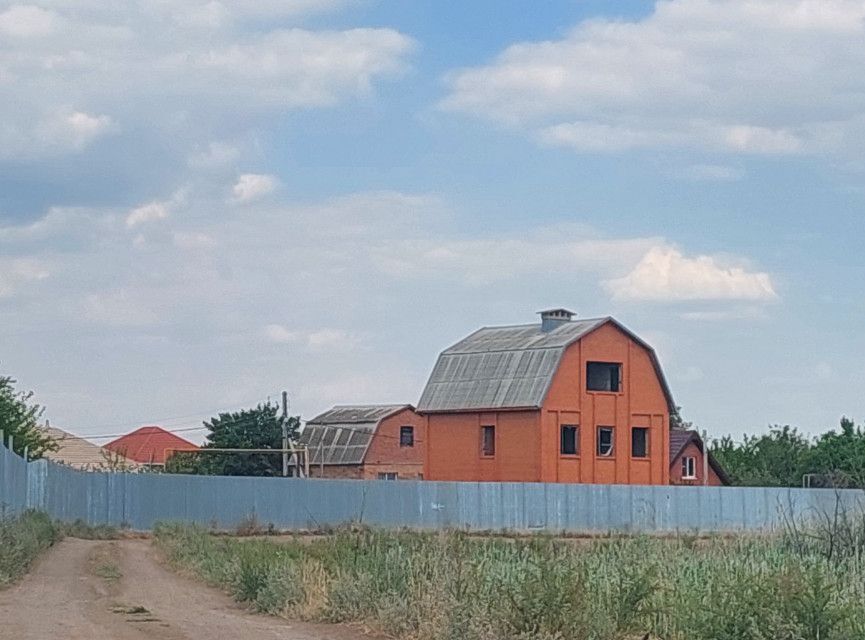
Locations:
(141, 500)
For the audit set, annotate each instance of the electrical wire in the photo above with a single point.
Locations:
(242, 422)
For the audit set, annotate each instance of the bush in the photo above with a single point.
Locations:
(22, 539)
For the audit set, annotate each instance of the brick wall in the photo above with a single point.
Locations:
(344, 471)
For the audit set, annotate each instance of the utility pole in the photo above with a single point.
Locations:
(285, 434)
(705, 459)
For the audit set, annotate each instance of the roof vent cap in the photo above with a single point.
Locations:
(554, 318)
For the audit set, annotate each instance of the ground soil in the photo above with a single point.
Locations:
(118, 590)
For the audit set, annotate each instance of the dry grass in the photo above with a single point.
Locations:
(22, 539)
(451, 586)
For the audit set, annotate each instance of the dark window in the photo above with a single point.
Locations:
(488, 440)
(689, 468)
(640, 442)
(406, 436)
(605, 441)
(603, 376)
(387, 476)
(569, 440)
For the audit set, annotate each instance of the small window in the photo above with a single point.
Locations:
(570, 446)
(406, 436)
(387, 476)
(640, 442)
(605, 441)
(603, 376)
(689, 468)
(488, 441)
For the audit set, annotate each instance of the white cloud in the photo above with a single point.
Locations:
(215, 14)
(824, 371)
(217, 154)
(664, 274)
(553, 251)
(174, 72)
(252, 186)
(321, 340)
(191, 240)
(16, 273)
(147, 213)
(280, 335)
(332, 340)
(120, 308)
(768, 77)
(27, 21)
(32, 135)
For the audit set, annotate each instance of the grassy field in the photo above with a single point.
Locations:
(22, 539)
(452, 586)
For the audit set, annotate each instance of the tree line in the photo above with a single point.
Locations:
(785, 457)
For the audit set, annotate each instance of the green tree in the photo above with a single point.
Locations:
(257, 428)
(839, 456)
(776, 459)
(19, 418)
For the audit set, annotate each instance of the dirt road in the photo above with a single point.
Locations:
(83, 590)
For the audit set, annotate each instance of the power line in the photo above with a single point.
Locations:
(154, 421)
(246, 422)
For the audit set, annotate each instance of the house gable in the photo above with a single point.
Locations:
(513, 367)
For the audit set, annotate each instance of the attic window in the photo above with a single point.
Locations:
(689, 468)
(569, 440)
(406, 436)
(603, 376)
(605, 442)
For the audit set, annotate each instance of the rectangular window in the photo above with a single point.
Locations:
(605, 441)
(603, 376)
(640, 442)
(387, 476)
(488, 441)
(689, 468)
(570, 446)
(406, 436)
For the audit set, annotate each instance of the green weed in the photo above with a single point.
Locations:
(448, 585)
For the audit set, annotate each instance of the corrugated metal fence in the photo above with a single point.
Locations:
(141, 500)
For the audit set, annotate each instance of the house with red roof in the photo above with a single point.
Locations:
(688, 460)
(150, 445)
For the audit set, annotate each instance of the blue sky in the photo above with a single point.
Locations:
(203, 203)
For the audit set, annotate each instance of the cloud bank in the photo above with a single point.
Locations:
(757, 77)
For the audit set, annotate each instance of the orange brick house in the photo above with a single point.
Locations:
(382, 442)
(687, 464)
(562, 400)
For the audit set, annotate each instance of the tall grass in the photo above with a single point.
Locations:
(22, 539)
(451, 586)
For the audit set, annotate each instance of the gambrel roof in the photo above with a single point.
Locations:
(510, 367)
(343, 434)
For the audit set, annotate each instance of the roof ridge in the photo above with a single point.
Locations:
(538, 324)
(369, 406)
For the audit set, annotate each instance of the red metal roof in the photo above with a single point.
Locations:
(149, 445)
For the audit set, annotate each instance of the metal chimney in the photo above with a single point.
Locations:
(554, 318)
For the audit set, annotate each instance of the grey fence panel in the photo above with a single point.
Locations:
(142, 500)
(13, 493)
